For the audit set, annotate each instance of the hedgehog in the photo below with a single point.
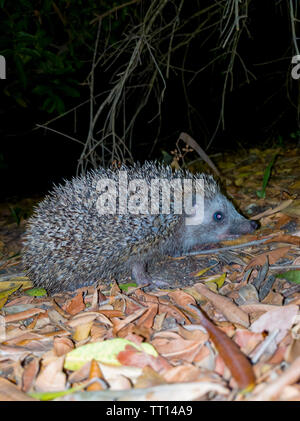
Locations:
(96, 226)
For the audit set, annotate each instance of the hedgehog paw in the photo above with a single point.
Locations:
(140, 275)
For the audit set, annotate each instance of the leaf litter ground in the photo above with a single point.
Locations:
(228, 328)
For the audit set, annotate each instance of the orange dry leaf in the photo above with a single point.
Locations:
(23, 315)
(172, 311)
(182, 298)
(284, 238)
(272, 256)
(30, 371)
(76, 304)
(247, 340)
(112, 313)
(131, 357)
(95, 373)
(147, 318)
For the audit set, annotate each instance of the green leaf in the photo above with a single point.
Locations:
(48, 396)
(291, 276)
(36, 292)
(105, 352)
(21, 72)
(124, 287)
(262, 193)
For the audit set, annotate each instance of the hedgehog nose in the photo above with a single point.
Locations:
(254, 225)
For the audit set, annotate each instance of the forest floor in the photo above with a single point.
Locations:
(227, 329)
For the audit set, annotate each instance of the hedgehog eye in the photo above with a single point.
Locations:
(218, 216)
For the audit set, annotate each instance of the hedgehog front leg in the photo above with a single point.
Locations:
(140, 275)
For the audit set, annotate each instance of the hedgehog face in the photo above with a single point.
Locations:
(218, 220)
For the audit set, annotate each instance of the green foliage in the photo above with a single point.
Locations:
(36, 292)
(295, 135)
(17, 214)
(262, 193)
(291, 275)
(48, 48)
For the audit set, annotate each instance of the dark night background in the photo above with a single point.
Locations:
(43, 81)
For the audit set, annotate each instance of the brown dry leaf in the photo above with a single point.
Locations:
(294, 209)
(257, 308)
(173, 311)
(281, 318)
(194, 334)
(84, 318)
(11, 392)
(81, 374)
(131, 357)
(144, 298)
(183, 373)
(26, 338)
(158, 321)
(52, 378)
(75, 305)
(247, 340)
(279, 208)
(283, 220)
(115, 289)
(293, 351)
(98, 332)
(111, 313)
(232, 356)
(272, 256)
(182, 298)
(119, 383)
(82, 332)
(230, 310)
(62, 346)
(22, 315)
(29, 374)
(147, 319)
(273, 390)
(273, 298)
(176, 348)
(20, 301)
(285, 238)
(120, 324)
(134, 338)
(149, 378)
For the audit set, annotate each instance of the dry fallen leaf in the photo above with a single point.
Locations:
(282, 318)
(272, 257)
(230, 310)
(51, 377)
